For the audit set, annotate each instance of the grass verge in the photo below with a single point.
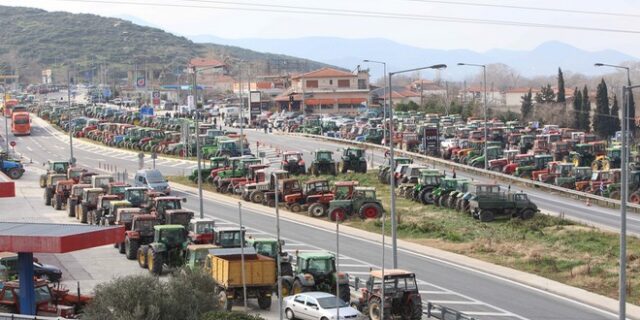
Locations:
(548, 246)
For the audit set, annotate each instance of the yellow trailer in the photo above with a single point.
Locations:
(225, 267)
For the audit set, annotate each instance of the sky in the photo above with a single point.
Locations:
(413, 23)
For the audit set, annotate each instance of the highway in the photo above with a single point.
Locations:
(475, 293)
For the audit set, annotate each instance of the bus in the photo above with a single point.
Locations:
(20, 124)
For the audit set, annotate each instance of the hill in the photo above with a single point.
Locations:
(35, 39)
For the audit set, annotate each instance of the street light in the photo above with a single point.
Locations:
(71, 160)
(484, 72)
(384, 106)
(392, 182)
(624, 150)
(195, 71)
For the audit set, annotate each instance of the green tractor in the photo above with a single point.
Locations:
(493, 152)
(237, 168)
(269, 247)
(168, 248)
(374, 135)
(363, 201)
(462, 187)
(353, 159)
(583, 155)
(316, 271)
(54, 167)
(384, 171)
(611, 160)
(312, 126)
(428, 180)
(214, 163)
(442, 193)
(540, 162)
(322, 163)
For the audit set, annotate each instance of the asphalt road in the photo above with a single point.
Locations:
(475, 293)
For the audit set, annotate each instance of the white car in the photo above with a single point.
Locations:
(318, 306)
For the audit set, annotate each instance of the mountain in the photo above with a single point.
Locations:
(35, 39)
(347, 53)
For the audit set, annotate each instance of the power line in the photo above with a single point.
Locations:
(354, 13)
(506, 6)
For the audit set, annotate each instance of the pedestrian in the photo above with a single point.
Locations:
(454, 173)
(215, 121)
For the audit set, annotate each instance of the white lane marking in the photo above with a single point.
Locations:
(29, 148)
(453, 302)
(433, 292)
(483, 313)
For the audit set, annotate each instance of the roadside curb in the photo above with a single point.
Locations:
(561, 291)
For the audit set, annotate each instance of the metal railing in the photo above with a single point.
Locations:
(11, 316)
(441, 312)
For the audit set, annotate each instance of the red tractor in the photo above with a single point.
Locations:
(293, 163)
(315, 198)
(498, 165)
(50, 300)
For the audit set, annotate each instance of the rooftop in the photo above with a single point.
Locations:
(325, 73)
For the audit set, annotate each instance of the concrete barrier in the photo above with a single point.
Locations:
(578, 195)
(7, 186)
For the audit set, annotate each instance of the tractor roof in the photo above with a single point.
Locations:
(145, 217)
(365, 188)
(353, 148)
(135, 188)
(316, 181)
(205, 246)
(390, 273)
(323, 150)
(120, 202)
(169, 227)
(168, 198)
(82, 186)
(203, 220)
(118, 184)
(57, 175)
(346, 183)
(132, 210)
(287, 153)
(315, 255)
(229, 229)
(265, 240)
(96, 190)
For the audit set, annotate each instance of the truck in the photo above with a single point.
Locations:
(225, 267)
(489, 203)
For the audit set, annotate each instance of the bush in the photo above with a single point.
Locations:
(234, 315)
(187, 295)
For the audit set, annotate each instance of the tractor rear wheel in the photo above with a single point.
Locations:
(635, 198)
(374, 309)
(142, 256)
(121, 248)
(442, 202)
(43, 181)
(285, 284)
(154, 261)
(264, 301)
(295, 207)
(343, 167)
(486, 215)
(345, 294)
(298, 288)
(451, 203)
(426, 196)
(71, 207)
(256, 196)
(316, 210)
(14, 173)
(337, 214)
(332, 169)
(370, 211)
(58, 204)
(131, 248)
(414, 311)
(47, 197)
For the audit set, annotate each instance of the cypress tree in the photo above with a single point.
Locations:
(577, 110)
(527, 105)
(561, 94)
(585, 120)
(632, 116)
(601, 117)
(615, 117)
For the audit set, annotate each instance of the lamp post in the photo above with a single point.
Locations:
(384, 106)
(392, 182)
(195, 71)
(484, 72)
(624, 186)
(71, 160)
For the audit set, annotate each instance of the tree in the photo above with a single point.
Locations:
(233, 315)
(632, 115)
(526, 109)
(546, 95)
(585, 120)
(561, 94)
(187, 295)
(601, 118)
(615, 117)
(577, 110)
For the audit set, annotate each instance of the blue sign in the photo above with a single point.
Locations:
(106, 93)
(146, 111)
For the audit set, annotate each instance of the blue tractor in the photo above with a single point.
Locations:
(13, 168)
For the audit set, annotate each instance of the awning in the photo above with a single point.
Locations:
(351, 100)
(319, 101)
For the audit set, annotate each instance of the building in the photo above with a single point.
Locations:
(325, 91)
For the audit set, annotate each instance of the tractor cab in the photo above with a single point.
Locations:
(229, 237)
(201, 230)
(430, 177)
(317, 264)
(101, 181)
(401, 295)
(292, 162)
(75, 173)
(58, 167)
(135, 195)
(161, 204)
(196, 255)
(343, 190)
(117, 188)
(314, 187)
(177, 216)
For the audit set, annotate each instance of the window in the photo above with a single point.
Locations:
(344, 106)
(312, 303)
(299, 299)
(330, 82)
(362, 83)
(8, 295)
(312, 83)
(344, 83)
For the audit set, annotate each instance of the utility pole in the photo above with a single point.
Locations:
(6, 119)
(198, 151)
(484, 72)
(71, 159)
(278, 258)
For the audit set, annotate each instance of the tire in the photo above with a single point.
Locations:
(363, 167)
(285, 283)
(14, 173)
(635, 198)
(615, 195)
(451, 203)
(527, 214)
(256, 196)
(224, 302)
(426, 196)
(436, 201)
(154, 262)
(131, 248)
(374, 309)
(289, 314)
(415, 310)
(47, 197)
(43, 181)
(142, 256)
(343, 168)
(442, 202)
(58, 202)
(286, 269)
(71, 208)
(264, 301)
(121, 248)
(486, 216)
(295, 208)
(313, 170)
(337, 214)
(345, 293)
(370, 211)
(317, 210)
(297, 287)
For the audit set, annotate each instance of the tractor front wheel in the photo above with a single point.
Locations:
(316, 210)
(142, 257)
(71, 208)
(256, 197)
(375, 309)
(298, 288)
(121, 248)
(370, 211)
(426, 196)
(130, 248)
(295, 207)
(154, 261)
(58, 202)
(527, 214)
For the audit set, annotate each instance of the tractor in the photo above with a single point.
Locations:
(140, 233)
(363, 201)
(55, 167)
(135, 196)
(238, 168)
(408, 178)
(109, 216)
(353, 159)
(62, 192)
(385, 171)
(269, 247)
(316, 271)
(315, 198)
(229, 237)
(74, 198)
(539, 163)
(124, 217)
(255, 192)
(520, 160)
(441, 194)
(74, 173)
(214, 163)
(50, 300)
(493, 152)
(284, 188)
(583, 155)
(322, 163)
(293, 163)
(201, 231)
(456, 196)
(88, 203)
(582, 177)
(611, 160)
(117, 189)
(167, 249)
(50, 188)
(428, 180)
(402, 299)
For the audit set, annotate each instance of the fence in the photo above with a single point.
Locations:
(11, 316)
(119, 176)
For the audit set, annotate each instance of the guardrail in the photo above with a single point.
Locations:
(578, 195)
(444, 313)
(11, 316)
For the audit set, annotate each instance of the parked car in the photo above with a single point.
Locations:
(152, 179)
(316, 306)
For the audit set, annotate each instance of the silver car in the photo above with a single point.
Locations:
(318, 306)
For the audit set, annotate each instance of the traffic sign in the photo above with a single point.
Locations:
(141, 82)
(155, 96)
(154, 155)
(12, 143)
(141, 155)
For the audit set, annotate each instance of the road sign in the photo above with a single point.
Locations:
(154, 155)
(12, 143)
(141, 82)
(155, 96)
